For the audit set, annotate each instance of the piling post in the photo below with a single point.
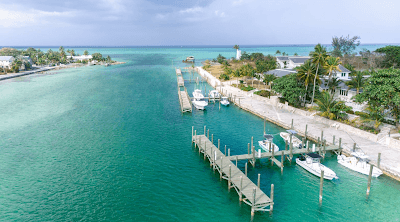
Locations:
(322, 136)
(251, 141)
(200, 144)
(291, 147)
(194, 138)
(318, 141)
(245, 169)
(354, 147)
(282, 159)
(369, 179)
(239, 103)
(286, 144)
(291, 127)
(208, 133)
(248, 148)
(236, 160)
(379, 160)
(303, 142)
(273, 155)
(241, 188)
(225, 150)
(321, 183)
(212, 138)
(229, 181)
(229, 152)
(254, 156)
(220, 169)
(258, 181)
(192, 134)
(271, 207)
(265, 119)
(308, 146)
(324, 151)
(340, 144)
(219, 104)
(204, 130)
(205, 150)
(214, 160)
(254, 202)
(218, 144)
(305, 132)
(333, 142)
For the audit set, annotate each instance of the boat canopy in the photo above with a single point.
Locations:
(314, 155)
(268, 137)
(293, 132)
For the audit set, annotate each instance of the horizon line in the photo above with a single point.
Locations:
(178, 46)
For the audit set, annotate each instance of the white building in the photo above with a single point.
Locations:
(238, 54)
(81, 57)
(6, 61)
(291, 62)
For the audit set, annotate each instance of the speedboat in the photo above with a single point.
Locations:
(224, 101)
(214, 94)
(198, 100)
(311, 163)
(358, 162)
(267, 142)
(297, 143)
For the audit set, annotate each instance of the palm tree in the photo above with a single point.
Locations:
(358, 82)
(306, 72)
(295, 54)
(318, 57)
(236, 74)
(61, 49)
(85, 52)
(333, 84)
(277, 52)
(332, 65)
(237, 49)
(331, 108)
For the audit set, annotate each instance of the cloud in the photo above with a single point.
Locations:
(191, 10)
(12, 18)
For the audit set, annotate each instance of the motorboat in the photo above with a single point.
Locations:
(311, 163)
(297, 143)
(199, 102)
(358, 162)
(224, 101)
(198, 94)
(267, 142)
(214, 94)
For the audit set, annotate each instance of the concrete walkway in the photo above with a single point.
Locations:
(390, 157)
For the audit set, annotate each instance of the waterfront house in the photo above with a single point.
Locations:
(291, 62)
(6, 61)
(81, 57)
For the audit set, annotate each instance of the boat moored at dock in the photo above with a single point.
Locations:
(199, 101)
(224, 101)
(296, 141)
(358, 162)
(311, 163)
(267, 145)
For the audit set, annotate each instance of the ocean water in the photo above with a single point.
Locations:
(110, 144)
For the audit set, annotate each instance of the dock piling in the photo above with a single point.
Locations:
(369, 179)
(192, 134)
(241, 188)
(322, 136)
(208, 133)
(258, 181)
(340, 145)
(225, 151)
(205, 149)
(282, 159)
(229, 152)
(245, 169)
(248, 148)
(333, 140)
(271, 207)
(291, 125)
(204, 130)
(354, 147)
(212, 138)
(229, 181)
(218, 144)
(236, 160)
(379, 160)
(321, 183)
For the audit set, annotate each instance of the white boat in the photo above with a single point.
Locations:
(311, 163)
(214, 94)
(297, 143)
(265, 143)
(199, 102)
(224, 101)
(358, 163)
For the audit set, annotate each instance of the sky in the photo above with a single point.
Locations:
(197, 22)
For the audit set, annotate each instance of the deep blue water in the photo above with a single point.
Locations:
(110, 144)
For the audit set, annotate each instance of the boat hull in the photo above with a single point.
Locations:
(297, 143)
(200, 105)
(315, 168)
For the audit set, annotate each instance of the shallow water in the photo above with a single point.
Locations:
(109, 143)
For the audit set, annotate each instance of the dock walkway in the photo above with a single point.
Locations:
(252, 194)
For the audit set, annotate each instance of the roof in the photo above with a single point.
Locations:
(299, 59)
(6, 58)
(343, 69)
(280, 72)
(283, 58)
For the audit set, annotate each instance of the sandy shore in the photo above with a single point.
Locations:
(282, 115)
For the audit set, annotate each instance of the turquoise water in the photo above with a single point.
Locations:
(110, 144)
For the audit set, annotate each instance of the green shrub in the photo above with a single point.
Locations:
(263, 93)
(350, 112)
(248, 88)
(362, 114)
(224, 76)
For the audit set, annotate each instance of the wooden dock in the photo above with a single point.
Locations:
(248, 192)
(184, 100)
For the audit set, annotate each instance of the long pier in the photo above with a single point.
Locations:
(184, 99)
(248, 192)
